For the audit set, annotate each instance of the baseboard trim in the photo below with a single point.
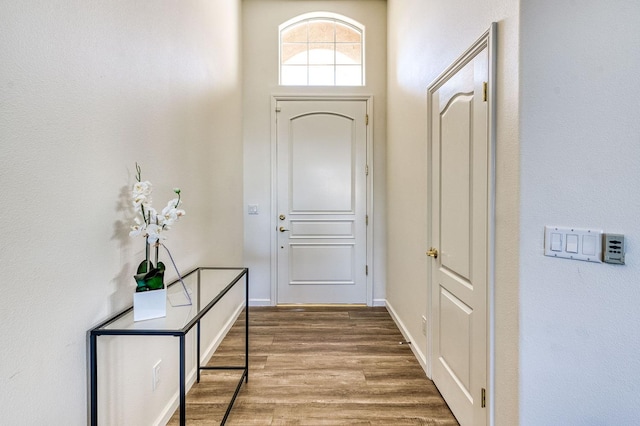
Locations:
(420, 356)
(267, 302)
(260, 302)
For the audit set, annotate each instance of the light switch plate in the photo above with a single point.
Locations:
(573, 243)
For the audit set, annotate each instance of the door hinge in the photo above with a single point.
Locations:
(485, 86)
(366, 170)
(366, 220)
(366, 269)
(483, 399)
(366, 119)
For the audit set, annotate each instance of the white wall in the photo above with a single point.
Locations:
(580, 322)
(86, 90)
(425, 37)
(260, 57)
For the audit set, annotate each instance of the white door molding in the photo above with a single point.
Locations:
(486, 41)
(275, 98)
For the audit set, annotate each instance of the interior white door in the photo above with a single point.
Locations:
(321, 201)
(459, 146)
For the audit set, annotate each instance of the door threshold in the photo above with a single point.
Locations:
(321, 305)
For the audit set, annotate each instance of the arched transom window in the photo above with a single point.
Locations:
(321, 49)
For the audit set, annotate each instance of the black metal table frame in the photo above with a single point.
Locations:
(99, 330)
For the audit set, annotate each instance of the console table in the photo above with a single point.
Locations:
(178, 326)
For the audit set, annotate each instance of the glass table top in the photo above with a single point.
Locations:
(180, 315)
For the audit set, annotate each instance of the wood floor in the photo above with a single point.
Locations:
(318, 366)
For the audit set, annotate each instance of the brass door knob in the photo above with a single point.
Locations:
(282, 229)
(432, 252)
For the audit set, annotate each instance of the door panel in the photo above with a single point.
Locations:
(321, 145)
(454, 180)
(459, 146)
(455, 326)
(321, 196)
(321, 264)
(319, 229)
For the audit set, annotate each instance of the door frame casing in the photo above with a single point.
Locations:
(488, 40)
(368, 99)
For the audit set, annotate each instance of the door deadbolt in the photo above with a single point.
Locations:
(432, 252)
(282, 217)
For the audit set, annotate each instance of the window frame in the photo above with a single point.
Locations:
(320, 16)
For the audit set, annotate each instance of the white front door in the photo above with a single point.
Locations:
(460, 184)
(321, 201)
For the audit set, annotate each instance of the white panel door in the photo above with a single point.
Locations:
(459, 145)
(321, 201)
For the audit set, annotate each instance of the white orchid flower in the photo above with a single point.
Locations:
(170, 213)
(142, 188)
(169, 220)
(138, 229)
(140, 200)
(154, 233)
(148, 222)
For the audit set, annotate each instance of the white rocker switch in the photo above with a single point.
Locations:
(572, 243)
(556, 241)
(589, 245)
